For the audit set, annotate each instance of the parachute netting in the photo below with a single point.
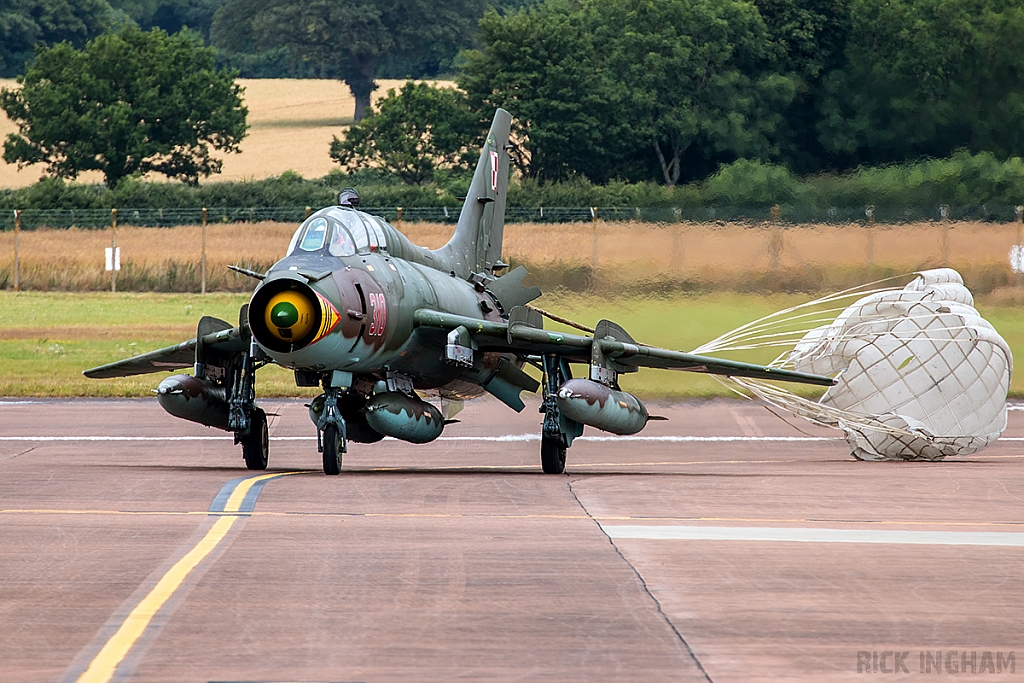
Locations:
(920, 374)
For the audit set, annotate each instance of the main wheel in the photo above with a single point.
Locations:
(256, 446)
(552, 455)
(332, 450)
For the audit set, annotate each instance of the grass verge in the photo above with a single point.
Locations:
(48, 338)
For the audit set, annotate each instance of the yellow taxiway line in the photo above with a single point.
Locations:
(101, 669)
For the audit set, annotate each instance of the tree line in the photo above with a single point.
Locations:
(665, 91)
(356, 41)
(672, 89)
(978, 185)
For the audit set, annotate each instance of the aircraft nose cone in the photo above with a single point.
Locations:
(284, 314)
(292, 315)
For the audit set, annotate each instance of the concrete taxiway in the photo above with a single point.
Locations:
(724, 544)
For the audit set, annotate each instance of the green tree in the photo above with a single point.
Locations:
(925, 78)
(696, 75)
(416, 132)
(808, 43)
(541, 63)
(130, 103)
(171, 15)
(351, 40)
(616, 88)
(24, 24)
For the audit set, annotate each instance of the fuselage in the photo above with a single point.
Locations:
(361, 281)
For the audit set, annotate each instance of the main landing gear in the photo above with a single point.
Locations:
(248, 422)
(256, 444)
(558, 431)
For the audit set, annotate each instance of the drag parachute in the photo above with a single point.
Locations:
(920, 374)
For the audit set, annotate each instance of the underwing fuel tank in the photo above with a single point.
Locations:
(194, 399)
(597, 405)
(406, 418)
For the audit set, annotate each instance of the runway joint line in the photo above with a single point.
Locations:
(643, 582)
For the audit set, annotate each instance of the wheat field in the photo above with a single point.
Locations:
(602, 254)
(291, 122)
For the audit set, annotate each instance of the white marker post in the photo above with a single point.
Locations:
(1017, 260)
(17, 252)
(113, 253)
(1018, 267)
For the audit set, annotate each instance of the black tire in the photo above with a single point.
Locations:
(332, 450)
(552, 455)
(256, 446)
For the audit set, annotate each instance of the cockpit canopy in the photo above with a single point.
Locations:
(343, 232)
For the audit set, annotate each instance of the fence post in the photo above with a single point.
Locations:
(202, 262)
(944, 235)
(677, 247)
(17, 264)
(593, 222)
(1019, 212)
(399, 219)
(869, 248)
(309, 211)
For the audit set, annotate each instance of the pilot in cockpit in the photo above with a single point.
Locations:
(342, 243)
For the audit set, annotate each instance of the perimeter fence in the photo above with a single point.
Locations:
(169, 217)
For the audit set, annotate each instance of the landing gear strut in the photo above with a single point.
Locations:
(248, 422)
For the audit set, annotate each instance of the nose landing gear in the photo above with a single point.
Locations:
(332, 439)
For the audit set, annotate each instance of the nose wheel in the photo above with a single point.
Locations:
(332, 449)
(331, 432)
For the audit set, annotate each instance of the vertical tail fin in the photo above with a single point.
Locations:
(476, 245)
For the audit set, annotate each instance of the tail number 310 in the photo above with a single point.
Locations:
(380, 315)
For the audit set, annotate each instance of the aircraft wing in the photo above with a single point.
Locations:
(523, 334)
(174, 357)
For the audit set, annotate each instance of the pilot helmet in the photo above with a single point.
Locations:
(348, 197)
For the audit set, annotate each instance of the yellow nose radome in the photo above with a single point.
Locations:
(289, 316)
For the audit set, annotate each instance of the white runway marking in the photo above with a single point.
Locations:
(506, 438)
(500, 439)
(810, 535)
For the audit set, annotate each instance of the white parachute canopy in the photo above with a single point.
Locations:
(920, 374)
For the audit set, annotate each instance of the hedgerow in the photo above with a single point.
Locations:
(959, 181)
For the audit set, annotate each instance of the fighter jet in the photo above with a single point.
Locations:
(380, 324)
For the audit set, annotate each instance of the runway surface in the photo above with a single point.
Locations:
(725, 545)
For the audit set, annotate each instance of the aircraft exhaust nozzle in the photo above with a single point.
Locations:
(194, 399)
(406, 418)
(286, 315)
(594, 404)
